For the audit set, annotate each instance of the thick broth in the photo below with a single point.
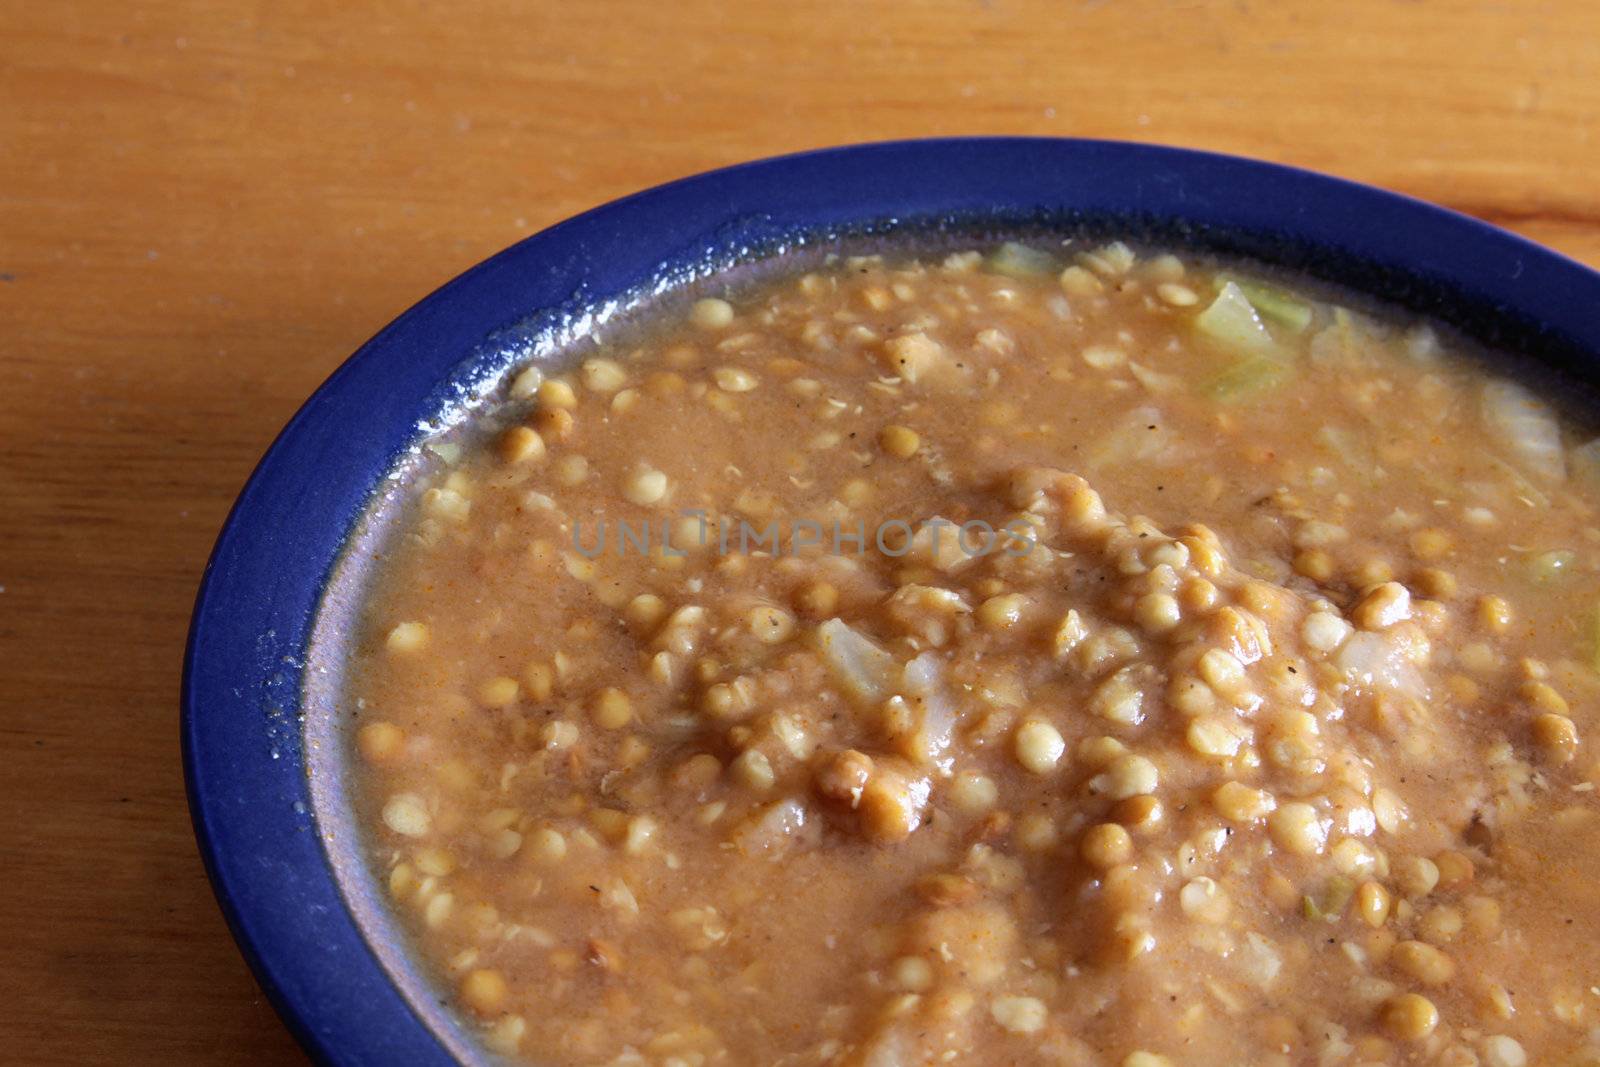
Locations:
(1252, 731)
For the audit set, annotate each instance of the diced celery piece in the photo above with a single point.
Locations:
(1248, 377)
(1546, 567)
(1272, 303)
(1019, 261)
(1335, 898)
(1232, 321)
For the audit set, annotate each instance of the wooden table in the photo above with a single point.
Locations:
(204, 207)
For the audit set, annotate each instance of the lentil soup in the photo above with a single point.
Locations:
(1051, 655)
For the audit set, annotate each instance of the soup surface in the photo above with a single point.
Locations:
(1029, 656)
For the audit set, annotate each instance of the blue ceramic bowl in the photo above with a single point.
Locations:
(260, 740)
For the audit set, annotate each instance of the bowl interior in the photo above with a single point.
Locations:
(262, 737)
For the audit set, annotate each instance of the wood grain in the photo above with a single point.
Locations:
(205, 207)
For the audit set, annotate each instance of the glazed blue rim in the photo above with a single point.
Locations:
(244, 667)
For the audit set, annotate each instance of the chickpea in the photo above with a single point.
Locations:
(1039, 746)
(484, 991)
(645, 486)
(1143, 812)
(1440, 924)
(1494, 614)
(1180, 296)
(555, 423)
(1237, 802)
(888, 809)
(912, 974)
(1431, 544)
(899, 441)
(818, 600)
(753, 769)
(843, 776)
(1502, 1051)
(645, 611)
(571, 471)
(1384, 606)
(1373, 903)
(771, 625)
(1423, 962)
(1314, 563)
(1436, 583)
(1128, 776)
(498, 692)
(1543, 697)
(520, 444)
(1156, 613)
(612, 709)
(407, 637)
(1036, 833)
(1416, 876)
(973, 794)
(1001, 612)
(711, 313)
(1019, 1015)
(1105, 846)
(1410, 1017)
(380, 742)
(407, 814)
(547, 845)
(734, 379)
(1556, 737)
(1297, 827)
(526, 384)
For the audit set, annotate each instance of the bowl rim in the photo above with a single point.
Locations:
(244, 766)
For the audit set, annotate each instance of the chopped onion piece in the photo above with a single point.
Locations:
(866, 671)
(775, 826)
(922, 673)
(1527, 426)
(1260, 959)
(1140, 436)
(923, 678)
(1371, 659)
